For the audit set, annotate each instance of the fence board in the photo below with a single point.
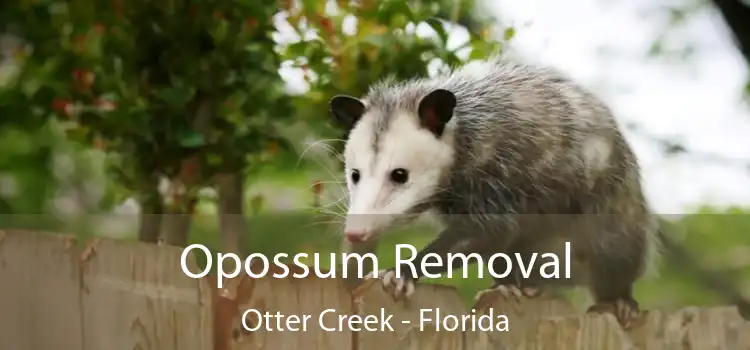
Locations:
(523, 314)
(479, 340)
(414, 339)
(693, 328)
(406, 318)
(128, 295)
(288, 296)
(586, 332)
(39, 285)
(136, 296)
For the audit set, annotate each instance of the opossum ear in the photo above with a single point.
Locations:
(346, 110)
(436, 109)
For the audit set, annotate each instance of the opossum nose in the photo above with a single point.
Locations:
(355, 237)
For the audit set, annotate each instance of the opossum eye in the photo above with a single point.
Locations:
(355, 176)
(399, 176)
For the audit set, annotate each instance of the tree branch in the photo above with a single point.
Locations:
(737, 17)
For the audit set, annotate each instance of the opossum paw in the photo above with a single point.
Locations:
(507, 291)
(371, 275)
(398, 287)
(531, 291)
(626, 311)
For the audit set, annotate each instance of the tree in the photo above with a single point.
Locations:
(182, 90)
(190, 91)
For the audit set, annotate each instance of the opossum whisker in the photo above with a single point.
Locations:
(336, 202)
(339, 183)
(326, 213)
(332, 151)
(324, 208)
(331, 229)
(327, 223)
(332, 213)
(331, 182)
(335, 182)
(341, 204)
(314, 144)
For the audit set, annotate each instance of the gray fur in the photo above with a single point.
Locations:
(521, 180)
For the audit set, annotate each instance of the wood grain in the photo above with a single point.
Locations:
(122, 295)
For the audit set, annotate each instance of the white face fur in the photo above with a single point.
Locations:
(386, 181)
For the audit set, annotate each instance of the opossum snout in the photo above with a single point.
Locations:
(356, 237)
(360, 228)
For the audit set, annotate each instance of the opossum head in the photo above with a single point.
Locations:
(395, 158)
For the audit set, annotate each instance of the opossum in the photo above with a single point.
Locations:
(512, 158)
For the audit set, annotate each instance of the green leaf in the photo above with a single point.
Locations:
(404, 9)
(437, 25)
(295, 49)
(399, 20)
(214, 159)
(510, 33)
(481, 49)
(389, 10)
(191, 139)
(175, 96)
(220, 32)
(377, 40)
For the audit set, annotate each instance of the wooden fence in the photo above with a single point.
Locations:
(113, 295)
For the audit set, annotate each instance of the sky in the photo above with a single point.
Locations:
(604, 44)
(697, 102)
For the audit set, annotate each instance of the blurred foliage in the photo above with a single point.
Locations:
(353, 46)
(676, 43)
(188, 90)
(178, 89)
(679, 16)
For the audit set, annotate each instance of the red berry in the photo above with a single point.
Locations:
(61, 105)
(83, 76)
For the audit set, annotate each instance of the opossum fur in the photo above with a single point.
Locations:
(514, 158)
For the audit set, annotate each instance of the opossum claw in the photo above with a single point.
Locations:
(531, 292)
(508, 291)
(488, 296)
(626, 311)
(367, 281)
(398, 287)
(371, 275)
